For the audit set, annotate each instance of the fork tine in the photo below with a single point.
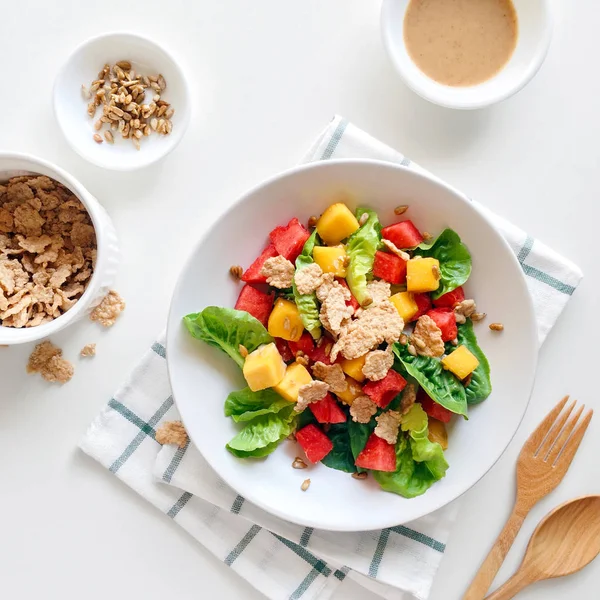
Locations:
(555, 430)
(562, 437)
(570, 448)
(536, 438)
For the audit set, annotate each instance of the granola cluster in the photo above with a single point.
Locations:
(47, 250)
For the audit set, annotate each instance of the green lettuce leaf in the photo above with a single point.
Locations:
(359, 434)
(307, 304)
(480, 386)
(454, 257)
(429, 453)
(361, 248)
(245, 404)
(415, 419)
(439, 384)
(262, 434)
(227, 328)
(340, 457)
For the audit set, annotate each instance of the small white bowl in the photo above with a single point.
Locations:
(107, 259)
(534, 35)
(82, 68)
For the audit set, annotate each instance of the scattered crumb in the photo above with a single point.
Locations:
(172, 432)
(46, 359)
(88, 350)
(109, 309)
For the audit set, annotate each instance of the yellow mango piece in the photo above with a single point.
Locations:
(353, 367)
(285, 321)
(295, 377)
(438, 433)
(336, 224)
(421, 274)
(461, 362)
(331, 259)
(353, 391)
(264, 367)
(405, 305)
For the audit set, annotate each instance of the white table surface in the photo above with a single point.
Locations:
(267, 76)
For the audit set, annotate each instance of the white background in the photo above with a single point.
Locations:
(266, 77)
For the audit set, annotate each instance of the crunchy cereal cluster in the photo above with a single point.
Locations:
(47, 250)
(46, 359)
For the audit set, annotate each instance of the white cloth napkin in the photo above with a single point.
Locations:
(283, 560)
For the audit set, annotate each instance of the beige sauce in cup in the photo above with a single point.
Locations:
(460, 42)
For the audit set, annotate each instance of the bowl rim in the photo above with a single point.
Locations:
(174, 321)
(174, 139)
(391, 42)
(32, 334)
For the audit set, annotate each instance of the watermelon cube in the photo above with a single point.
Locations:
(289, 240)
(353, 302)
(314, 442)
(253, 272)
(432, 408)
(255, 302)
(423, 302)
(389, 267)
(327, 410)
(284, 349)
(449, 299)
(403, 234)
(305, 344)
(382, 392)
(444, 318)
(377, 455)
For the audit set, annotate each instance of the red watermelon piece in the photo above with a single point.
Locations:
(449, 299)
(445, 319)
(314, 442)
(432, 408)
(305, 344)
(289, 240)
(255, 302)
(284, 349)
(389, 267)
(382, 392)
(377, 455)
(327, 410)
(423, 302)
(252, 273)
(403, 234)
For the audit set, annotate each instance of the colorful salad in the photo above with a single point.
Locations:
(356, 340)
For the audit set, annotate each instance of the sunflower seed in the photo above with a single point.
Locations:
(476, 316)
(98, 125)
(98, 138)
(400, 210)
(362, 475)
(496, 327)
(161, 82)
(305, 485)
(124, 64)
(85, 93)
(298, 463)
(108, 136)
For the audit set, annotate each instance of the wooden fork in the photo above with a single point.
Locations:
(543, 462)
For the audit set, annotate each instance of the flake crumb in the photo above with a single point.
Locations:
(335, 314)
(388, 424)
(108, 310)
(308, 279)
(309, 393)
(332, 375)
(88, 350)
(172, 432)
(279, 272)
(46, 359)
(377, 364)
(362, 409)
(427, 337)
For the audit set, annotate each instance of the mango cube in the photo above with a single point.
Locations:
(422, 274)
(331, 259)
(295, 377)
(336, 224)
(352, 392)
(264, 367)
(405, 305)
(461, 362)
(353, 367)
(438, 433)
(285, 322)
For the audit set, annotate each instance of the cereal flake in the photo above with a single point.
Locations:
(172, 432)
(309, 393)
(308, 279)
(388, 424)
(377, 364)
(362, 409)
(108, 310)
(88, 350)
(279, 272)
(46, 359)
(332, 375)
(427, 337)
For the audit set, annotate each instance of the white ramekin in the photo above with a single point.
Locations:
(12, 165)
(535, 33)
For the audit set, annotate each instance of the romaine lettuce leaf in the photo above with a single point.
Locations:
(262, 434)
(454, 257)
(227, 328)
(245, 404)
(415, 419)
(361, 248)
(439, 384)
(429, 453)
(480, 386)
(307, 304)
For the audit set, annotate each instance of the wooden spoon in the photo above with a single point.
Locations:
(566, 540)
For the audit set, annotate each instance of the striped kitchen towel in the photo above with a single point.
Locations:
(281, 559)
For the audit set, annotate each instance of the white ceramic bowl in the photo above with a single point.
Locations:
(535, 33)
(107, 259)
(82, 67)
(202, 376)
